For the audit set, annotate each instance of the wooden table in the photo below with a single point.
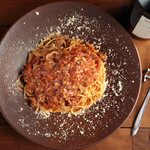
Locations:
(11, 10)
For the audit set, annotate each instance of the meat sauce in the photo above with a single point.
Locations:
(57, 80)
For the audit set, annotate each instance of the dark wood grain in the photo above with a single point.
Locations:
(3, 31)
(10, 139)
(117, 141)
(3, 120)
(142, 140)
(11, 10)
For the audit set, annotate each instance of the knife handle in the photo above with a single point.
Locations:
(140, 114)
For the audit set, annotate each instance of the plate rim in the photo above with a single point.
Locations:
(122, 28)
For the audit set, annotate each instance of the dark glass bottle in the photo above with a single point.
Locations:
(140, 19)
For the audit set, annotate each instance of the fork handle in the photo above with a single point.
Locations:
(140, 114)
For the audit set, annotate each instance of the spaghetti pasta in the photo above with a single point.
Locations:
(63, 75)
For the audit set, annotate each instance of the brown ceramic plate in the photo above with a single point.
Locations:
(64, 131)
